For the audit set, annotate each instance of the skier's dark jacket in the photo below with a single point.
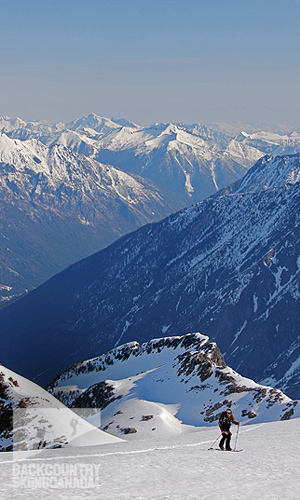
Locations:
(225, 421)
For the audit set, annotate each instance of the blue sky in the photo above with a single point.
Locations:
(151, 60)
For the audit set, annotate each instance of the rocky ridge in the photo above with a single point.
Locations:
(162, 385)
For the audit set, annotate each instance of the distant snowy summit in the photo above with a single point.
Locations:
(161, 386)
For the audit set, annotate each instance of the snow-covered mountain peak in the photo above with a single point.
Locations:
(20, 129)
(137, 354)
(171, 129)
(19, 158)
(94, 122)
(18, 154)
(164, 383)
(241, 136)
(7, 124)
(267, 136)
(192, 161)
(30, 157)
(295, 134)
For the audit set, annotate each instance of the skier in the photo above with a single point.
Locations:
(225, 421)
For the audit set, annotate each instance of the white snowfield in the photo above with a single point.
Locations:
(174, 467)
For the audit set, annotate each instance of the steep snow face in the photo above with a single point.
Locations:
(243, 153)
(49, 192)
(159, 386)
(32, 419)
(93, 122)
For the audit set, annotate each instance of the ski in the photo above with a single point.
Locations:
(219, 449)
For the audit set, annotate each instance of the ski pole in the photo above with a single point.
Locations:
(214, 442)
(236, 437)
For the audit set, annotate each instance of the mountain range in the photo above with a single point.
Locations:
(227, 266)
(69, 190)
(191, 160)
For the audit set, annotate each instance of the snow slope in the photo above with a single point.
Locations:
(174, 467)
(31, 418)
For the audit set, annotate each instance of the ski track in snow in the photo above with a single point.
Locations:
(179, 468)
(132, 452)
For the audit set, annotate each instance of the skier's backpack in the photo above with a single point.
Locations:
(223, 419)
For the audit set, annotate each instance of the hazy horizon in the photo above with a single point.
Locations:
(172, 61)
